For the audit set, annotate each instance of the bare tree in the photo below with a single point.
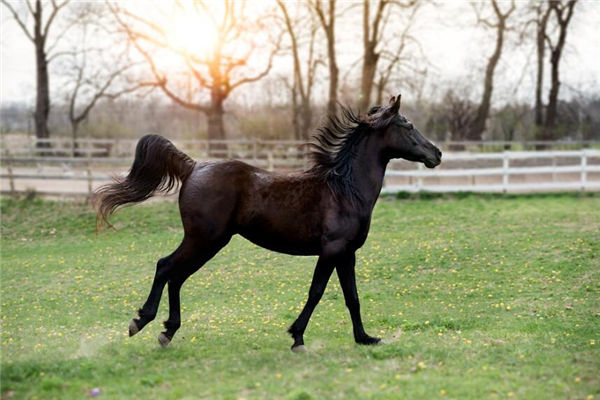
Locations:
(92, 90)
(542, 13)
(218, 73)
(458, 112)
(373, 35)
(397, 63)
(563, 11)
(327, 19)
(499, 24)
(93, 67)
(304, 78)
(39, 35)
(88, 88)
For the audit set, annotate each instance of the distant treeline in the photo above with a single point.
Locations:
(122, 69)
(448, 119)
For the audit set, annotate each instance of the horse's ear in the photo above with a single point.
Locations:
(395, 104)
(392, 101)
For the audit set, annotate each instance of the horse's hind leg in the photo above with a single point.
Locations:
(148, 311)
(179, 276)
(164, 269)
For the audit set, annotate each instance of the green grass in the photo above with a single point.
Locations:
(477, 298)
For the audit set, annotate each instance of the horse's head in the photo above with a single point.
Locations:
(400, 138)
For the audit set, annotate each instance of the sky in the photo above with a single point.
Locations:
(456, 52)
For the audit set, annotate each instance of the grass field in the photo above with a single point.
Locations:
(475, 297)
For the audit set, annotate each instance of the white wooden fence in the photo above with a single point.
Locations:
(24, 168)
(560, 170)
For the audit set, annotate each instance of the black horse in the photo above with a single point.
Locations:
(324, 211)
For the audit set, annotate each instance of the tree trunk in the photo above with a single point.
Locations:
(328, 24)
(369, 65)
(333, 68)
(368, 75)
(295, 114)
(333, 77)
(541, 132)
(553, 95)
(74, 130)
(216, 128)
(556, 53)
(476, 131)
(306, 118)
(541, 50)
(42, 104)
(380, 86)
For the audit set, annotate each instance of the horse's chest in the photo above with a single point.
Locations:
(351, 229)
(362, 232)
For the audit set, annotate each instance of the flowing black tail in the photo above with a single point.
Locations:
(157, 167)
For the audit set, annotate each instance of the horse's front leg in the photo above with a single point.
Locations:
(321, 276)
(346, 273)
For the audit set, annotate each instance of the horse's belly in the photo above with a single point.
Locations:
(290, 242)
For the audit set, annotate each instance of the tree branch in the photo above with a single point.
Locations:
(260, 75)
(55, 9)
(17, 19)
(161, 82)
(59, 37)
(160, 79)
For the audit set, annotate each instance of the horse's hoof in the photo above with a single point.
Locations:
(133, 328)
(369, 340)
(163, 339)
(299, 349)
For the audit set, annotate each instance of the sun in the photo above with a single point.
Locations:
(191, 33)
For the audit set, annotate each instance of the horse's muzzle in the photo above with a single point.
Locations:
(434, 160)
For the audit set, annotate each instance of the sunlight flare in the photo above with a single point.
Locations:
(191, 33)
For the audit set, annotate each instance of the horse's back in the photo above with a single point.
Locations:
(277, 211)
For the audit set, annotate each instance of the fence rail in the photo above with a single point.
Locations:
(506, 171)
(568, 170)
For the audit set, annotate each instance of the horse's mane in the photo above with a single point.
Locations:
(335, 145)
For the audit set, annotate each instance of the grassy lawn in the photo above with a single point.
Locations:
(475, 297)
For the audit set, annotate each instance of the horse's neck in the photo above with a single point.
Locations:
(368, 172)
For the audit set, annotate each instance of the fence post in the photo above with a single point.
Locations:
(255, 149)
(554, 169)
(32, 144)
(505, 166)
(419, 177)
(583, 169)
(89, 174)
(271, 161)
(11, 179)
